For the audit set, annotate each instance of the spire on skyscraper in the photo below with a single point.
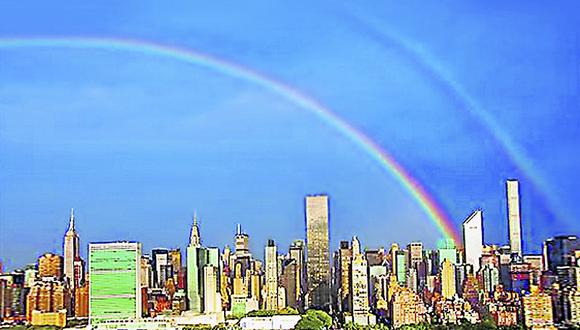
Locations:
(355, 246)
(194, 239)
(71, 226)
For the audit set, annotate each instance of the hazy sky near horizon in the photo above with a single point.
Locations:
(136, 143)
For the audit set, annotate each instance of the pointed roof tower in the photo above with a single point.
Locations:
(194, 238)
(71, 225)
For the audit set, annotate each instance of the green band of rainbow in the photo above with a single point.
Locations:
(427, 203)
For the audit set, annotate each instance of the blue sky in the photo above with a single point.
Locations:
(136, 143)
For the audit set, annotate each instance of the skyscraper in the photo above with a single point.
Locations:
(296, 253)
(318, 254)
(559, 251)
(415, 254)
(114, 286)
(401, 262)
(359, 286)
(71, 250)
(241, 242)
(446, 250)
(514, 218)
(393, 253)
(490, 277)
(196, 260)
(448, 285)
(271, 256)
(211, 297)
(160, 263)
(345, 260)
(290, 283)
(473, 239)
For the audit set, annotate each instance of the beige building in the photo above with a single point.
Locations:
(514, 218)
(359, 287)
(240, 283)
(415, 254)
(271, 256)
(211, 297)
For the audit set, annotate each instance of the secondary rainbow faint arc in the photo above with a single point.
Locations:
(387, 162)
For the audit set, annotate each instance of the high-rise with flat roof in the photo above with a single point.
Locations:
(114, 286)
(296, 253)
(343, 276)
(271, 259)
(446, 250)
(318, 254)
(415, 250)
(559, 251)
(448, 285)
(514, 218)
(211, 296)
(401, 262)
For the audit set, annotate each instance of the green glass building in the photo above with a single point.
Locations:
(196, 259)
(446, 250)
(401, 262)
(114, 288)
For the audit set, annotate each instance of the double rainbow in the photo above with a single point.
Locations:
(427, 203)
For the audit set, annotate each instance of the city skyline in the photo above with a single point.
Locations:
(350, 285)
(471, 236)
(141, 117)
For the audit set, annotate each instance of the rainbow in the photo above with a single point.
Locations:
(427, 203)
(425, 63)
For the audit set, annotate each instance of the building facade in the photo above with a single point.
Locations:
(114, 286)
(71, 251)
(473, 239)
(448, 280)
(537, 309)
(318, 254)
(196, 260)
(271, 256)
(50, 265)
(359, 286)
(514, 217)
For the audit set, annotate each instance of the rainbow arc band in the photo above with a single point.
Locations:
(427, 203)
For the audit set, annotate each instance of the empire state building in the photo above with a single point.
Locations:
(71, 249)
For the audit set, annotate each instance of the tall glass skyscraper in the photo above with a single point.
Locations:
(114, 288)
(318, 254)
